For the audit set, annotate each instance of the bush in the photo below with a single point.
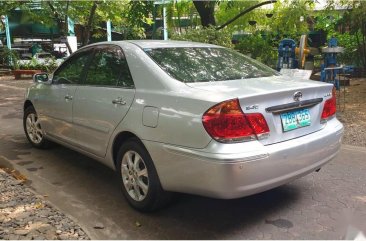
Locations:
(351, 54)
(258, 48)
(206, 35)
(8, 58)
(48, 66)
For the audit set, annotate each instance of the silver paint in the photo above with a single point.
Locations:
(186, 158)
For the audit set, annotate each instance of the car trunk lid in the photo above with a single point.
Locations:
(292, 108)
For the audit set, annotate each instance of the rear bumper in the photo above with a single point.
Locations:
(237, 170)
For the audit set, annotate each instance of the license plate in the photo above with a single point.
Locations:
(295, 119)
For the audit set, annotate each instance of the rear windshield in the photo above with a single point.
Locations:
(207, 64)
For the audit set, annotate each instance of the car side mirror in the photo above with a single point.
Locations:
(41, 78)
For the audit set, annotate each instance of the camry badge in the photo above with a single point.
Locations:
(252, 107)
(297, 96)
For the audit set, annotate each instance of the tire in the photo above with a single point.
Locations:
(138, 178)
(33, 129)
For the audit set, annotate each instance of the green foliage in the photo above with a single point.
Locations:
(79, 11)
(133, 18)
(138, 12)
(206, 35)
(286, 21)
(354, 21)
(350, 56)
(122, 13)
(49, 65)
(175, 11)
(356, 18)
(327, 21)
(229, 9)
(131, 31)
(8, 57)
(258, 48)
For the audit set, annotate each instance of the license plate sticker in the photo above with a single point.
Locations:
(295, 119)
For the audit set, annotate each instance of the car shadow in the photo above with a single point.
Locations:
(95, 187)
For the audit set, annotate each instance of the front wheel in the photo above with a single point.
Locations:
(33, 129)
(139, 179)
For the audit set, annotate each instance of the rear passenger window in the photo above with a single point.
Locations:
(109, 68)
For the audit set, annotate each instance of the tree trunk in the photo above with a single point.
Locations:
(56, 16)
(66, 16)
(88, 27)
(206, 10)
(363, 24)
(359, 48)
(178, 15)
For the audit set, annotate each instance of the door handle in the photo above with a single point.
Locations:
(118, 101)
(68, 97)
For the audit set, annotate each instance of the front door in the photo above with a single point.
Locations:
(56, 102)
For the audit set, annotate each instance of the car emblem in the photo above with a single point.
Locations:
(252, 107)
(297, 96)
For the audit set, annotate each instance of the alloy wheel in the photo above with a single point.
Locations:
(33, 128)
(134, 175)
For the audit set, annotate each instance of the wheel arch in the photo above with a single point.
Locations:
(119, 140)
(27, 103)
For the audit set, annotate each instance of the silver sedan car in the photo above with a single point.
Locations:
(173, 116)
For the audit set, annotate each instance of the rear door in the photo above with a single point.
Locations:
(56, 102)
(103, 99)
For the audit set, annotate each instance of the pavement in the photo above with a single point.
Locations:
(330, 204)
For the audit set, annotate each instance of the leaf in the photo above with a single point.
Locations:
(39, 205)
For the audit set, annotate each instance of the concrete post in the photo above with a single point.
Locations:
(109, 31)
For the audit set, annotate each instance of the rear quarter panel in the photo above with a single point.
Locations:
(179, 119)
(180, 107)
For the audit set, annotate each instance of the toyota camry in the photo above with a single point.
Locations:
(176, 116)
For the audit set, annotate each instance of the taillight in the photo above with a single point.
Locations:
(226, 122)
(330, 107)
(258, 124)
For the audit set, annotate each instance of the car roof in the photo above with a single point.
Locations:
(168, 44)
(158, 44)
(146, 44)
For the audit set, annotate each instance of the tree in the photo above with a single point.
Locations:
(57, 17)
(89, 23)
(289, 19)
(349, 27)
(230, 9)
(356, 18)
(245, 11)
(90, 15)
(129, 17)
(206, 10)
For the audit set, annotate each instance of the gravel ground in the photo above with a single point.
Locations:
(25, 215)
(352, 112)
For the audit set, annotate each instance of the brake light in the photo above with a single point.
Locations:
(330, 107)
(258, 124)
(226, 122)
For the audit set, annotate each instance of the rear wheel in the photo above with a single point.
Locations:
(33, 129)
(139, 180)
